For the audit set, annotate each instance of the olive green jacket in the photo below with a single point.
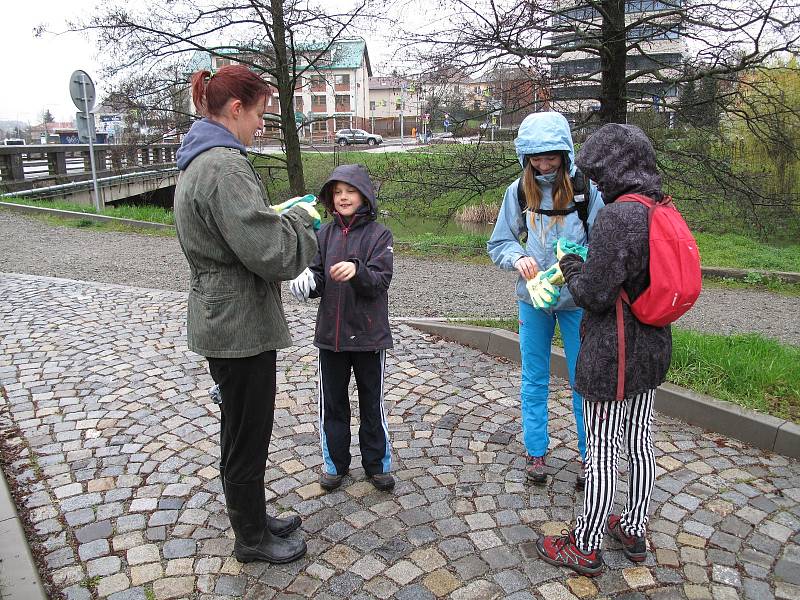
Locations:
(239, 250)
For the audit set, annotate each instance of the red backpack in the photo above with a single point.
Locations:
(675, 278)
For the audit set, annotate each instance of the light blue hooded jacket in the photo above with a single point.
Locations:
(539, 132)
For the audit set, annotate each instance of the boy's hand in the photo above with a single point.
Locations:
(343, 271)
(302, 285)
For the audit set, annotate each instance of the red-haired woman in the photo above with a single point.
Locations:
(239, 250)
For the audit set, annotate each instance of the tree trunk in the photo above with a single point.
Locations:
(294, 164)
(613, 59)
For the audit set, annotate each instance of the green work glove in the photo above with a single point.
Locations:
(306, 202)
(284, 206)
(554, 275)
(563, 246)
(309, 208)
(543, 293)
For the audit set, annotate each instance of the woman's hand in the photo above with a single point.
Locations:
(527, 267)
(342, 271)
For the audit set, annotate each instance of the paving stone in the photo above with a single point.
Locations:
(441, 582)
(112, 584)
(107, 565)
(403, 572)
(555, 591)
(367, 567)
(179, 548)
(582, 587)
(141, 574)
(173, 587)
(478, 590)
(93, 549)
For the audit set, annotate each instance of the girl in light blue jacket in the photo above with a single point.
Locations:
(522, 240)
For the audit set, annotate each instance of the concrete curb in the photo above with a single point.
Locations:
(19, 577)
(69, 214)
(756, 429)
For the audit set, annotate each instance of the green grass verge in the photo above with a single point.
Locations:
(748, 370)
(153, 214)
(754, 281)
(740, 252)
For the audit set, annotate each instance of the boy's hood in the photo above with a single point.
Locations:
(621, 160)
(358, 177)
(204, 135)
(545, 132)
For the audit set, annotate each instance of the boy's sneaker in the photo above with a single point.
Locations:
(634, 546)
(561, 551)
(330, 482)
(382, 481)
(535, 470)
(580, 480)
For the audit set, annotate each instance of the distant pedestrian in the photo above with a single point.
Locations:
(239, 250)
(621, 159)
(550, 200)
(351, 274)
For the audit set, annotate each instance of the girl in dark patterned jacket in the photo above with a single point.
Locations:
(351, 274)
(621, 160)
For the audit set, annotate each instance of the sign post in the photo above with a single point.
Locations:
(81, 88)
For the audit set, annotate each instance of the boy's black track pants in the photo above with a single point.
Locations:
(334, 411)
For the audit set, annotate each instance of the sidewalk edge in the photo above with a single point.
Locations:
(19, 577)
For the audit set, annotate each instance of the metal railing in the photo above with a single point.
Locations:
(26, 167)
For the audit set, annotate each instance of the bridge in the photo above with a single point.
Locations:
(63, 171)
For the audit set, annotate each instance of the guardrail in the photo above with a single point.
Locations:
(26, 167)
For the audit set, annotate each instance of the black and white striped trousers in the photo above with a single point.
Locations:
(608, 425)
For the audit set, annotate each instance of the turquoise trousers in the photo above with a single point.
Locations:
(536, 329)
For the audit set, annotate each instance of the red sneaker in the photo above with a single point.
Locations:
(561, 551)
(634, 546)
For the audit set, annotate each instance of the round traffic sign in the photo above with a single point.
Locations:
(81, 88)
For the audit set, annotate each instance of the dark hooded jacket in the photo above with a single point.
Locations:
(621, 160)
(353, 315)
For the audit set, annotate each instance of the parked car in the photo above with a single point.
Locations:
(13, 142)
(357, 136)
(446, 137)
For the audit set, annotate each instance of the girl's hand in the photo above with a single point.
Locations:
(527, 267)
(343, 271)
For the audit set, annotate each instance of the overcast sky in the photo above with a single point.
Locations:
(36, 70)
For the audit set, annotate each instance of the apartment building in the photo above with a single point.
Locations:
(659, 54)
(332, 91)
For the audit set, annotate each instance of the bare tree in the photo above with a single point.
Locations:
(611, 51)
(266, 35)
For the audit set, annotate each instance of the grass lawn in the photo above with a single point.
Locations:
(749, 370)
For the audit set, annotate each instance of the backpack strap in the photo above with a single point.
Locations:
(582, 208)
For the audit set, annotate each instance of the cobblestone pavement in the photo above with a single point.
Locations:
(118, 473)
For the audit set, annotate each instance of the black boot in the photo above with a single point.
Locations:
(254, 540)
(277, 525)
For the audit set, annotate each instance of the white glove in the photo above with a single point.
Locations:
(302, 285)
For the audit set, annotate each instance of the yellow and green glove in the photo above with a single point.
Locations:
(554, 275)
(543, 293)
(306, 202)
(563, 246)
